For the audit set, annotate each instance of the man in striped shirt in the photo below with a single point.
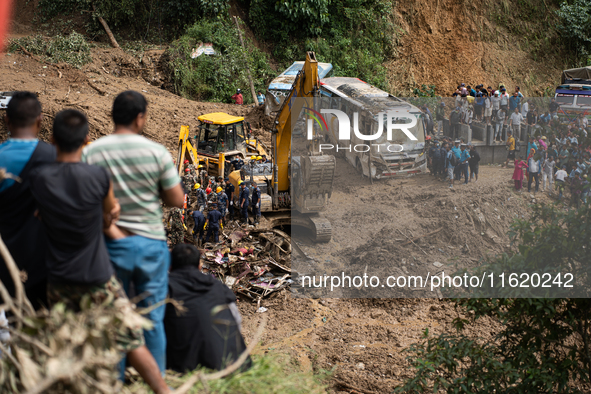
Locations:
(142, 172)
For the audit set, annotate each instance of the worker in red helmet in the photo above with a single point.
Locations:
(186, 161)
(208, 190)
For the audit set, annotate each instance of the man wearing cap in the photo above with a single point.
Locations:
(496, 103)
(243, 201)
(213, 224)
(198, 228)
(464, 157)
(222, 203)
(201, 197)
(511, 147)
(230, 194)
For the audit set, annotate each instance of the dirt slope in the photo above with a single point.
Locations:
(447, 42)
(363, 340)
(93, 88)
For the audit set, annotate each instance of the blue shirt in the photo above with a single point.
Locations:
(514, 102)
(214, 218)
(261, 98)
(531, 145)
(14, 156)
(457, 152)
(199, 219)
(464, 155)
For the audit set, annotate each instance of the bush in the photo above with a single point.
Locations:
(138, 18)
(357, 35)
(72, 49)
(216, 78)
(575, 26)
(543, 343)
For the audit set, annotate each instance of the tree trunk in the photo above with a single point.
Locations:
(107, 30)
(252, 91)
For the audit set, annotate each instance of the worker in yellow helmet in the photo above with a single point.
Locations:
(222, 203)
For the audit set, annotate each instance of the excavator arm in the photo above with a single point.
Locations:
(315, 172)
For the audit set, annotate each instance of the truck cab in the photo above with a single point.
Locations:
(220, 138)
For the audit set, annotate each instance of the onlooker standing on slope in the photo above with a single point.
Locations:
(142, 172)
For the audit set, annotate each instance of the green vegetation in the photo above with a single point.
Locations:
(269, 375)
(137, 18)
(72, 49)
(216, 78)
(356, 36)
(575, 26)
(542, 345)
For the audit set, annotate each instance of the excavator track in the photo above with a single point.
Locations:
(320, 228)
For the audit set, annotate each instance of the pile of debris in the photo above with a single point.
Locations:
(254, 262)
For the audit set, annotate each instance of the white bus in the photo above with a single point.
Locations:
(378, 160)
(280, 87)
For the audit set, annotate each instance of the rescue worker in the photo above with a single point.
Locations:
(199, 227)
(201, 197)
(243, 201)
(188, 182)
(230, 194)
(222, 203)
(213, 224)
(202, 174)
(256, 203)
(177, 228)
(212, 197)
(237, 163)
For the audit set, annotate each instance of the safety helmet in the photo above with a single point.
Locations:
(208, 190)
(199, 166)
(240, 183)
(186, 161)
(259, 158)
(238, 90)
(219, 189)
(428, 137)
(197, 186)
(187, 170)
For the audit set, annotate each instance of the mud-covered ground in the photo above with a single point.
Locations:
(362, 340)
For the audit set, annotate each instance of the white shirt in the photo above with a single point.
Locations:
(496, 102)
(487, 102)
(505, 99)
(560, 175)
(549, 166)
(516, 118)
(524, 109)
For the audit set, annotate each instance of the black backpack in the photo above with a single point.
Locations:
(454, 161)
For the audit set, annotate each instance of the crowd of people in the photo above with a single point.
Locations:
(544, 148)
(212, 201)
(94, 215)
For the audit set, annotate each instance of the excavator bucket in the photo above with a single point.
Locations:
(317, 181)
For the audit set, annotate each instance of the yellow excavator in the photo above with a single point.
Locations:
(314, 172)
(221, 137)
(218, 140)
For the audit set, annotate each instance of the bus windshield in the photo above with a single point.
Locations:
(399, 136)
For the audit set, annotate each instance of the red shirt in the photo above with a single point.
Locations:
(237, 98)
